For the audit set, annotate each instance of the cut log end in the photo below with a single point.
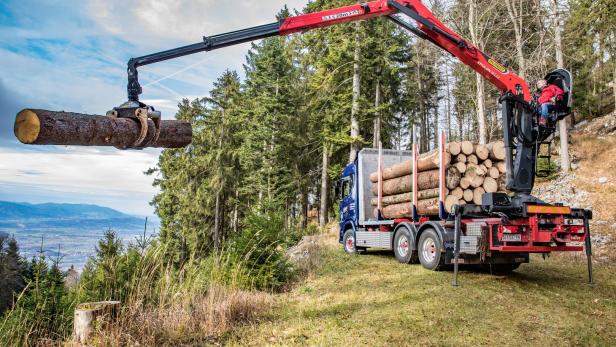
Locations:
(27, 126)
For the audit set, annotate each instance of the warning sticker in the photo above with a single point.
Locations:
(497, 66)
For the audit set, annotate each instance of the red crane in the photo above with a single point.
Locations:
(522, 134)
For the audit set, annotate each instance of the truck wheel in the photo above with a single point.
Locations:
(349, 242)
(403, 248)
(429, 250)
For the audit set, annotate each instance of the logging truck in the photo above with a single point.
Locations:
(499, 228)
(427, 233)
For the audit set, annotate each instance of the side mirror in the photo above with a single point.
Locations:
(337, 189)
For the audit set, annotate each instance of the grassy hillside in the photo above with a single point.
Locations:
(373, 300)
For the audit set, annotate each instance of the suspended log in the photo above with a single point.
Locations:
(487, 163)
(461, 158)
(497, 150)
(481, 151)
(467, 147)
(454, 148)
(472, 159)
(44, 127)
(426, 161)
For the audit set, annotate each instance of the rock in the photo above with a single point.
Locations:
(602, 180)
(563, 190)
(304, 254)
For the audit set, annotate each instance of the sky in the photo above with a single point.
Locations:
(71, 55)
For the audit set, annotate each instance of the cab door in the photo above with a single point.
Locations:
(347, 204)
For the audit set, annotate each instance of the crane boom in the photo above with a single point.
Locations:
(428, 27)
(521, 134)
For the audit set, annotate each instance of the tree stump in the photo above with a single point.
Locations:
(89, 315)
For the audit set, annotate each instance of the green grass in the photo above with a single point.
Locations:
(373, 300)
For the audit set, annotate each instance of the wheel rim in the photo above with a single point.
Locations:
(403, 246)
(350, 244)
(429, 250)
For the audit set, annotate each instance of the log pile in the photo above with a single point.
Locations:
(470, 170)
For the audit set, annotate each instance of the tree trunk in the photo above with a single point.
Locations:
(562, 124)
(614, 80)
(479, 82)
(425, 162)
(44, 127)
(377, 119)
(406, 197)
(425, 180)
(517, 19)
(356, 94)
(324, 208)
(92, 316)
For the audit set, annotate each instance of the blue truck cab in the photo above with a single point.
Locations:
(354, 191)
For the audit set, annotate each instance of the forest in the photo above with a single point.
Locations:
(279, 138)
(268, 147)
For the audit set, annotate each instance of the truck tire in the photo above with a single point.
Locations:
(349, 242)
(429, 250)
(403, 248)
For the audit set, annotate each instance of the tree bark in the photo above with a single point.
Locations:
(44, 127)
(565, 165)
(90, 316)
(406, 197)
(324, 208)
(425, 162)
(425, 180)
(355, 97)
(377, 119)
(516, 17)
(479, 82)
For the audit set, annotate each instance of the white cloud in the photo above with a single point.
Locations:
(108, 174)
(80, 66)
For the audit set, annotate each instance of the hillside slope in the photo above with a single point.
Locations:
(373, 300)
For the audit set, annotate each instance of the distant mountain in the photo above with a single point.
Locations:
(18, 215)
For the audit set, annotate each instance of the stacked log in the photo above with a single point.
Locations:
(470, 171)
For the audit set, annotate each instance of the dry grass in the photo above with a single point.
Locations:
(373, 300)
(187, 321)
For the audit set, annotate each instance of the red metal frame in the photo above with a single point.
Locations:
(535, 239)
(469, 54)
